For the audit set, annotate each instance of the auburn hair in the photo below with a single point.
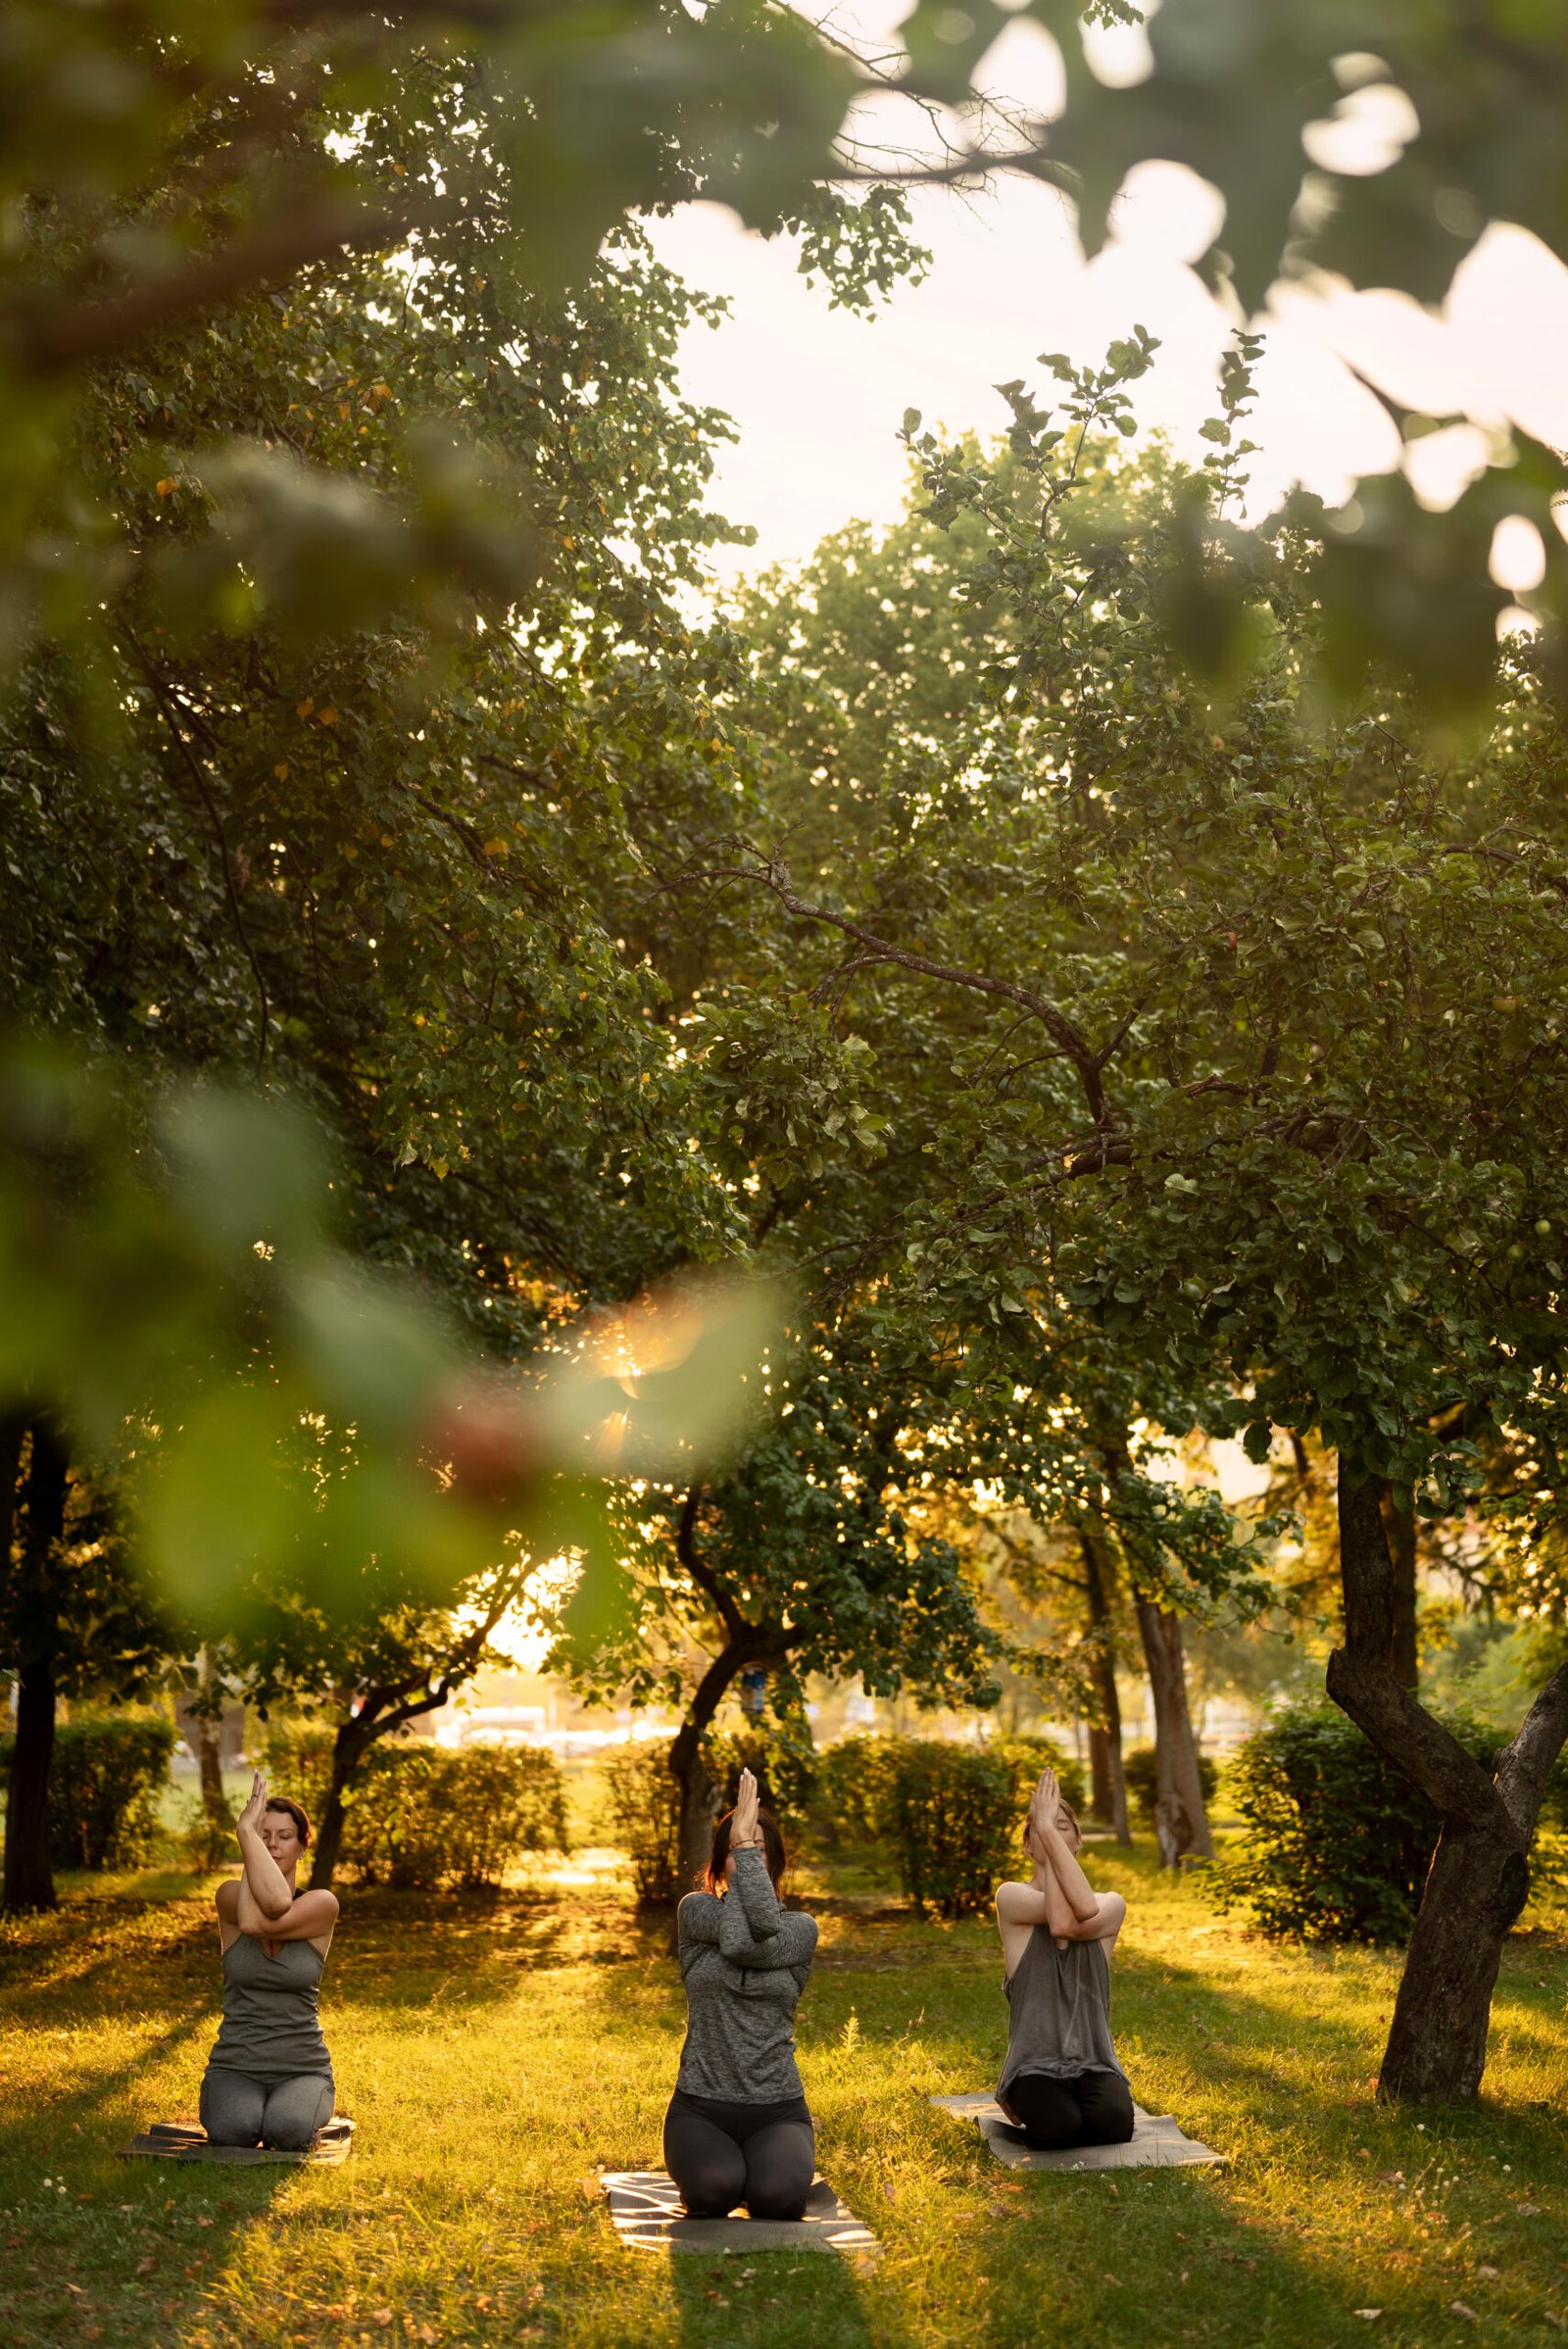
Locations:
(711, 1879)
(302, 1826)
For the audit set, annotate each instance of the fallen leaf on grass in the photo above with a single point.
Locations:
(381, 2315)
(145, 2267)
(590, 2189)
(1391, 2176)
(1368, 2312)
(1490, 2274)
(1529, 2210)
(1456, 2308)
(1552, 2317)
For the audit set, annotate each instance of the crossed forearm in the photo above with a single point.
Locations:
(263, 1889)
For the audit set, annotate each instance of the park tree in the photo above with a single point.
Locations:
(869, 665)
(371, 1676)
(171, 166)
(1277, 995)
(74, 1621)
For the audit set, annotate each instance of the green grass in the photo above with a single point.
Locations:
(497, 2056)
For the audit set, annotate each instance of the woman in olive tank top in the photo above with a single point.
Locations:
(1062, 2083)
(269, 2078)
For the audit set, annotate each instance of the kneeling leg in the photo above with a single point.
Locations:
(1106, 2103)
(231, 2108)
(780, 2165)
(1047, 2111)
(297, 2111)
(708, 2167)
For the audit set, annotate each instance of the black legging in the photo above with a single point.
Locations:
(1095, 2108)
(763, 2155)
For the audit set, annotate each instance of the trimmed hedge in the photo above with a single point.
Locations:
(1339, 1841)
(953, 1815)
(644, 1805)
(105, 1776)
(425, 1816)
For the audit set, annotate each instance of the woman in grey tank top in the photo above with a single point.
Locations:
(269, 2078)
(1062, 2083)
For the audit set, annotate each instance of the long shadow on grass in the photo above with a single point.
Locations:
(131, 2246)
(777, 2300)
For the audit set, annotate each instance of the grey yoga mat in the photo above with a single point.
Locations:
(646, 2207)
(1157, 2141)
(187, 2141)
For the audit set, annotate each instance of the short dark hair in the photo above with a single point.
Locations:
(302, 1826)
(712, 1877)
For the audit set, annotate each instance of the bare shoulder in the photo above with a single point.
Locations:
(226, 1899)
(321, 1904)
(1018, 1904)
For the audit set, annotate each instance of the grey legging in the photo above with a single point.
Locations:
(719, 2154)
(284, 2113)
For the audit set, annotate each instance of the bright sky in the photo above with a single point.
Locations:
(818, 395)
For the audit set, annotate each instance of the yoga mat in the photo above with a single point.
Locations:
(186, 2141)
(1157, 2141)
(645, 2205)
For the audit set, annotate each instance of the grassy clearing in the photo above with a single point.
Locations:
(496, 2055)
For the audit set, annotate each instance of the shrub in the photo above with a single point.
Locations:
(1339, 1841)
(644, 1805)
(105, 1776)
(780, 1755)
(953, 1814)
(1138, 1770)
(1026, 1757)
(424, 1817)
(854, 1790)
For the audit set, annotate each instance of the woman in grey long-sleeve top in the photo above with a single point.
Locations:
(738, 2128)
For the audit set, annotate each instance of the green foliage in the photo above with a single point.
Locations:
(781, 1755)
(425, 1816)
(106, 1774)
(1138, 1768)
(1337, 1842)
(1026, 1757)
(642, 1802)
(854, 1789)
(951, 1812)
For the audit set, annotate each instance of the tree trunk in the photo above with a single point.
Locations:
(1474, 1892)
(1479, 1880)
(29, 1881)
(1107, 1800)
(352, 1742)
(1180, 1822)
(699, 1797)
(209, 1751)
(1406, 1661)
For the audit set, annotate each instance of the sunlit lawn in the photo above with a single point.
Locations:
(495, 2056)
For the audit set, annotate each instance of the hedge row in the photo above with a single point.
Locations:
(424, 1817)
(105, 1776)
(953, 1813)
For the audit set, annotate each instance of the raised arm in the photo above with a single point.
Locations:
(267, 1906)
(265, 1890)
(754, 1928)
(1076, 1890)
